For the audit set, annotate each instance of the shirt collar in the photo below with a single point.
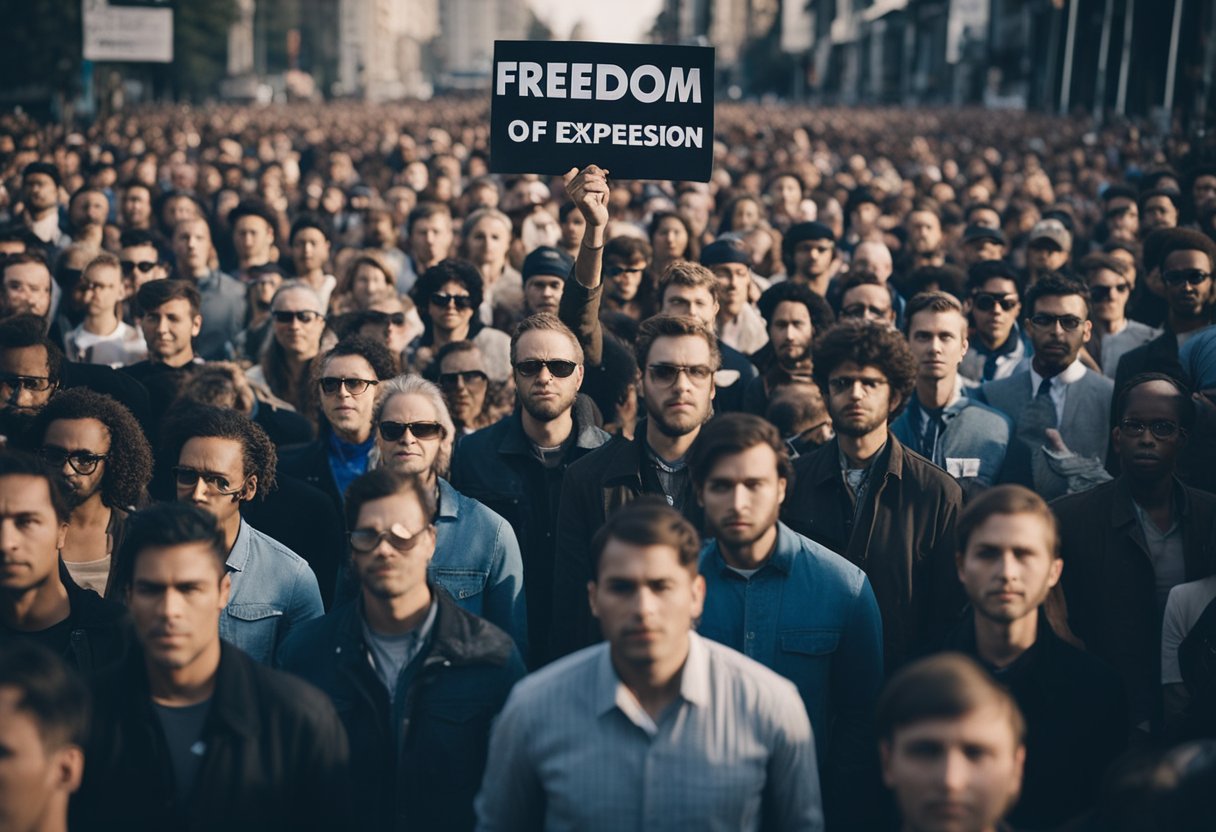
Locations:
(694, 678)
(449, 499)
(239, 556)
(1071, 374)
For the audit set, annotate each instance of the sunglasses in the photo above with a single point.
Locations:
(617, 271)
(189, 477)
(33, 384)
(354, 386)
(1176, 277)
(82, 462)
(1101, 293)
(1160, 428)
(422, 431)
(129, 267)
(668, 373)
(468, 377)
(986, 302)
(400, 538)
(394, 318)
(1044, 321)
(560, 368)
(304, 316)
(461, 301)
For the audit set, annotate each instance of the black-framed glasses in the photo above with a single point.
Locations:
(668, 373)
(82, 462)
(460, 301)
(354, 386)
(34, 384)
(398, 536)
(130, 267)
(450, 381)
(558, 367)
(422, 431)
(986, 301)
(1070, 323)
(1176, 277)
(1102, 293)
(187, 477)
(286, 316)
(1160, 428)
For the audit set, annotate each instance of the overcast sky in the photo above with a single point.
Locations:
(607, 20)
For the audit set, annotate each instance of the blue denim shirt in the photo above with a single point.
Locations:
(273, 590)
(811, 616)
(971, 447)
(477, 561)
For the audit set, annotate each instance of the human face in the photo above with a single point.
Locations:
(180, 209)
(1009, 566)
(463, 379)
(177, 594)
(299, 338)
(994, 325)
(1147, 458)
(956, 774)
(788, 193)
(573, 227)
(1046, 256)
(1203, 191)
(169, 330)
(874, 258)
(859, 400)
(309, 250)
(694, 301)
(36, 777)
(409, 454)
(813, 258)
(543, 293)
(450, 317)
(1159, 212)
(41, 193)
(219, 457)
(252, 238)
(136, 207)
(431, 239)
(30, 534)
(192, 247)
(90, 208)
(1188, 302)
(938, 341)
(924, 232)
(27, 289)
(791, 332)
(389, 572)
(681, 407)
(1116, 290)
(27, 362)
(349, 415)
(488, 241)
(646, 602)
(1123, 218)
(399, 335)
(544, 396)
(868, 303)
(368, 283)
(746, 215)
(87, 436)
(624, 278)
(1055, 348)
(103, 291)
(734, 283)
(742, 496)
(137, 255)
(670, 240)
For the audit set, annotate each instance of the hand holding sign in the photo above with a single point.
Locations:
(588, 189)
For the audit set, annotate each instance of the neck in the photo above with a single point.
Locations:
(1152, 493)
(1001, 643)
(819, 284)
(201, 272)
(548, 434)
(90, 513)
(668, 447)
(1111, 327)
(38, 608)
(355, 437)
(654, 684)
(189, 685)
(860, 450)
(936, 393)
(491, 271)
(43, 213)
(180, 359)
(1045, 371)
(990, 341)
(1183, 325)
(750, 555)
(314, 278)
(399, 614)
(102, 324)
(442, 337)
(296, 362)
(231, 528)
(726, 318)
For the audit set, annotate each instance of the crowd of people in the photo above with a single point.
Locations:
(347, 485)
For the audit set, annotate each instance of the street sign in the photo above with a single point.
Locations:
(127, 33)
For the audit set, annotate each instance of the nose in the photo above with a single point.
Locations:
(955, 771)
(199, 492)
(739, 497)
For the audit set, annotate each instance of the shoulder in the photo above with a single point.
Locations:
(826, 565)
(927, 476)
(286, 697)
(1098, 382)
(492, 338)
(599, 457)
(975, 411)
(471, 638)
(307, 642)
(567, 682)
(1069, 508)
(267, 546)
(1018, 382)
(485, 439)
(752, 686)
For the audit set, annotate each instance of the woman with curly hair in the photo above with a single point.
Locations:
(447, 297)
(105, 464)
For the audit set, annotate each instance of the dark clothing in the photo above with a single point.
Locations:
(457, 686)
(117, 385)
(275, 756)
(310, 463)
(594, 487)
(903, 537)
(1110, 585)
(283, 426)
(1076, 722)
(498, 467)
(729, 397)
(162, 383)
(609, 362)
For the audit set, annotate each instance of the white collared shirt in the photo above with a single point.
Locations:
(1074, 372)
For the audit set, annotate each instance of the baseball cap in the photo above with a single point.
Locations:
(1053, 230)
(720, 252)
(547, 260)
(975, 233)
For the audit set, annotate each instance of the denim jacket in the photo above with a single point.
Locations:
(273, 590)
(972, 446)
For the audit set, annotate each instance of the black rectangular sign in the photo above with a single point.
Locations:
(642, 112)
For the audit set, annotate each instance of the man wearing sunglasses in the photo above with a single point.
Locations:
(141, 258)
(516, 466)
(1110, 282)
(998, 347)
(1056, 392)
(30, 368)
(221, 460)
(420, 679)
(1126, 543)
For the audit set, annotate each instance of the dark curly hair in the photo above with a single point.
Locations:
(129, 464)
(200, 421)
(866, 344)
(450, 270)
(791, 291)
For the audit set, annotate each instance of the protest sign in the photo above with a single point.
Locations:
(643, 112)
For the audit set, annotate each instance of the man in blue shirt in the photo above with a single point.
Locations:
(789, 603)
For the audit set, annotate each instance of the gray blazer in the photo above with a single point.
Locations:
(1085, 427)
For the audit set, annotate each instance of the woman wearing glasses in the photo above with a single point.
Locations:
(447, 297)
(297, 326)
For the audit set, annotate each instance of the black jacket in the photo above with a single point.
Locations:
(457, 686)
(276, 756)
(310, 463)
(100, 628)
(1076, 722)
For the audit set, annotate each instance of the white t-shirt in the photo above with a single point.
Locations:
(1186, 602)
(122, 347)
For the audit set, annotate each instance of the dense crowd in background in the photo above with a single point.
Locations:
(869, 485)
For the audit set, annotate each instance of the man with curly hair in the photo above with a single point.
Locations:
(866, 496)
(105, 463)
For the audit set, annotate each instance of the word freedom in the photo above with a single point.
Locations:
(588, 132)
(599, 82)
